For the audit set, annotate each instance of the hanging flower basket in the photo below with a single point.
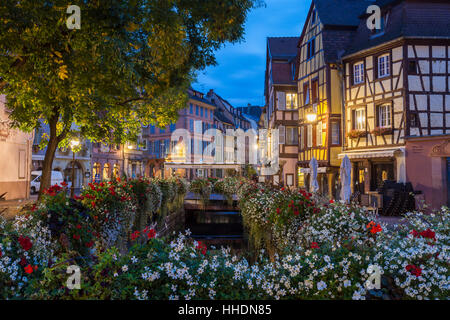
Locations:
(354, 134)
(381, 131)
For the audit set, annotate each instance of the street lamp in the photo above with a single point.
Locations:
(73, 144)
(311, 117)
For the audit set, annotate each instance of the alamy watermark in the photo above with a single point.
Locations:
(374, 280)
(74, 280)
(230, 147)
(74, 20)
(374, 20)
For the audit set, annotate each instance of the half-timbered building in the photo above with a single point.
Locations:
(281, 96)
(327, 32)
(396, 88)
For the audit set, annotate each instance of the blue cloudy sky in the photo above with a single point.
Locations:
(239, 74)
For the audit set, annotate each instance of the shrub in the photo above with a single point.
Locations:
(203, 188)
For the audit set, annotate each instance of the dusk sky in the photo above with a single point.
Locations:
(239, 74)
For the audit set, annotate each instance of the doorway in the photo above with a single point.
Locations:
(380, 173)
(359, 177)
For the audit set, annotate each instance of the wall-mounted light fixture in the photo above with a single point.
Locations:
(311, 117)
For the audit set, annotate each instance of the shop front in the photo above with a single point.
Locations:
(371, 169)
(428, 168)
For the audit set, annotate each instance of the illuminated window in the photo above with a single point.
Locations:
(361, 176)
(359, 119)
(116, 170)
(319, 134)
(291, 101)
(96, 171)
(301, 178)
(106, 171)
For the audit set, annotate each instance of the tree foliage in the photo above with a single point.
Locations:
(129, 64)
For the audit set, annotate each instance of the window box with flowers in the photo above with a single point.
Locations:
(355, 133)
(380, 131)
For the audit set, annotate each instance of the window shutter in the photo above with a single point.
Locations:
(377, 116)
(282, 134)
(319, 134)
(353, 119)
(281, 100)
(302, 138)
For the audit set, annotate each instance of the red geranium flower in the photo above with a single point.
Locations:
(25, 242)
(89, 244)
(64, 184)
(135, 235)
(331, 201)
(78, 226)
(278, 210)
(28, 269)
(314, 245)
(376, 229)
(1, 253)
(76, 236)
(151, 233)
(414, 270)
(201, 247)
(429, 234)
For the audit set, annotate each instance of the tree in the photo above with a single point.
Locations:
(128, 65)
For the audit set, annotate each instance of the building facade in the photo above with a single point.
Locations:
(281, 98)
(107, 161)
(63, 160)
(397, 90)
(327, 32)
(15, 158)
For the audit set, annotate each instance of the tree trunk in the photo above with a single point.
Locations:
(49, 156)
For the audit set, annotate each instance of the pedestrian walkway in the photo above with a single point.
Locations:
(10, 208)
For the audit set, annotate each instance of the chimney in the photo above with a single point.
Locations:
(210, 92)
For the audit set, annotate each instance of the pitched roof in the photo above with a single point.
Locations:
(221, 117)
(341, 12)
(340, 19)
(407, 19)
(282, 47)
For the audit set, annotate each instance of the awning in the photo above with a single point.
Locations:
(201, 166)
(319, 170)
(368, 154)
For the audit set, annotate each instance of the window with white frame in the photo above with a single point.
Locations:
(358, 72)
(309, 136)
(384, 116)
(291, 101)
(383, 66)
(319, 134)
(291, 135)
(360, 119)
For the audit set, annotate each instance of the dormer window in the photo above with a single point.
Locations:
(358, 73)
(383, 22)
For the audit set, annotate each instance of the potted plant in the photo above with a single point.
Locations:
(379, 131)
(353, 134)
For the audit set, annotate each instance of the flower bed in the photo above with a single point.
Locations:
(319, 252)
